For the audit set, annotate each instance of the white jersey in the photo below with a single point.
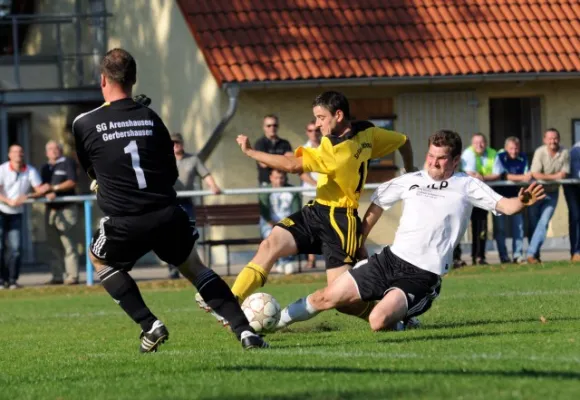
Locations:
(435, 215)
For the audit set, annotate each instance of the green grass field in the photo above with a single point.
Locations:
(494, 333)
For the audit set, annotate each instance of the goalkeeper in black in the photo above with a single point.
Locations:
(126, 148)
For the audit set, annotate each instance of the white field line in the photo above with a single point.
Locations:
(517, 293)
(367, 355)
(102, 313)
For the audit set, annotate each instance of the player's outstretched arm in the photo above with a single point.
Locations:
(406, 151)
(526, 197)
(386, 142)
(288, 163)
(370, 219)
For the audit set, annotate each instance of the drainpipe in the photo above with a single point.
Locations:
(233, 92)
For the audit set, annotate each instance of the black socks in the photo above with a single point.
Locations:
(125, 292)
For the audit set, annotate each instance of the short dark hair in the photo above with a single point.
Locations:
(120, 67)
(333, 101)
(277, 170)
(270, 116)
(446, 138)
(552, 130)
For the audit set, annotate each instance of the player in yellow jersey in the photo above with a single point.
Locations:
(330, 225)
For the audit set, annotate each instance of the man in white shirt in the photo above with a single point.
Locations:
(16, 180)
(406, 277)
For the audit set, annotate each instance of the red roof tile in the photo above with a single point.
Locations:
(252, 40)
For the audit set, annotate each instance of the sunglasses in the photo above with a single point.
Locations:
(272, 125)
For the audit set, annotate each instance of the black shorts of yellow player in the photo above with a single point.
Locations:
(334, 232)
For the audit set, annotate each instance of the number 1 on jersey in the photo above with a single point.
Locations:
(135, 162)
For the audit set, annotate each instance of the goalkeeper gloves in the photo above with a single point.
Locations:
(91, 173)
(142, 99)
(94, 186)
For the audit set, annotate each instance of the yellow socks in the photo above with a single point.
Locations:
(249, 279)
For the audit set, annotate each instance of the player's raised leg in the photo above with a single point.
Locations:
(280, 243)
(217, 294)
(123, 289)
(341, 292)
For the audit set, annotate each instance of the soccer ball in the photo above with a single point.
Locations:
(262, 311)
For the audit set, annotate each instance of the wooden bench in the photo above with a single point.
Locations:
(228, 215)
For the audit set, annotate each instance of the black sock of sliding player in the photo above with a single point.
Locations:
(217, 294)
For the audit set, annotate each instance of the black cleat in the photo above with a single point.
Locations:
(151, 340)
(252, 341)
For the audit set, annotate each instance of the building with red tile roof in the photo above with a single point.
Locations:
(214, 68)
(305, 40)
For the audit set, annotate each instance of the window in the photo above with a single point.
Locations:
(575, 131)
(8, 8)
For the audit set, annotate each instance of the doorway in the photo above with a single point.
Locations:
(519, 117)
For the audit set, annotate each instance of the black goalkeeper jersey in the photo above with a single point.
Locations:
(130, 150)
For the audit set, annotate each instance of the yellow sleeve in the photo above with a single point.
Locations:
(320, 159)
(385, 141)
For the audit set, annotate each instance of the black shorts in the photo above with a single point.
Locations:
(334, 232)
(384, 272)
(121, 241)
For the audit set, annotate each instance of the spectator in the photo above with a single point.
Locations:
(477, 161)
(510, 165)
(274, 207)
(457, 261)
(188, 166)
(16, 180)
(572, 193)
(270, 143)
(59, 175)
(309, 179)
(551, 162)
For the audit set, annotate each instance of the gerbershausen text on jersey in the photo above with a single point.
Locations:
(129, 133)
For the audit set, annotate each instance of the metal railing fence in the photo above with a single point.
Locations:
(88, 200)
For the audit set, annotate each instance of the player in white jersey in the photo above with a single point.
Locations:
(406, 277)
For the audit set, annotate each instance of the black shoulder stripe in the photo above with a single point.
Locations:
(355, 128)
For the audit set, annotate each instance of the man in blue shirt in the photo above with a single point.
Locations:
(572, 193)
(511, 165)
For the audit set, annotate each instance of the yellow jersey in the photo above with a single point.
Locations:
(343, 163)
